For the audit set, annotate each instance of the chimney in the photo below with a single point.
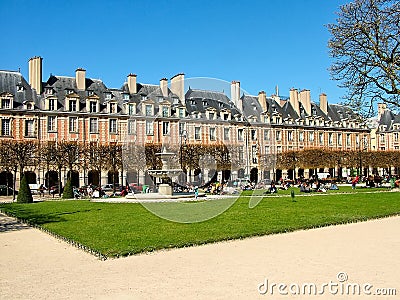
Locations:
(381, 109)
(164, 86)
(132, 83)
(35, 73)
(80, 78)
(323, 103)
(178, 86)
(294, 100)
(305, 99)
(262, 99)
(235, 92)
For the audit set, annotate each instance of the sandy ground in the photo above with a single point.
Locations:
(34, 265)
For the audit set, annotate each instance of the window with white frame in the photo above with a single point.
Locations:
(396, 136)
(339, 139)
(181, 112)
(279, 149)
(301, 136)
(348, 139)
(6, 103)
(149, 127)
(52, 103)
(212, 134)
(72, 105)
(113, 108)
(73, 124)
(93, 106)
(240, 134)
(253, 134)
(125, 96)
(165, 128)
(290, 135)
(311, 136)
(278, 135)
(131, 127)
(165, 111)
(226, 134)
(108, 96)
(131, 109)
(51, 123)
(240, 153)
(330, 138)
(93, 125)
(267, 133)
(5, 127)
(267, 149)
(382, 136)
(197, 133)
(29, 128)
(182, 128)
(113, 126)
(149, 110)
(321, 138)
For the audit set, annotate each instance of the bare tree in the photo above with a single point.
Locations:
(365, 46)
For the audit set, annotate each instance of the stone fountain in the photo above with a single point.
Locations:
(165, 173)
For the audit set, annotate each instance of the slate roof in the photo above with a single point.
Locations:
(9, 82)
(388, 119)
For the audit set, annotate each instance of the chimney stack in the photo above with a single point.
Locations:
(132, 83)
(164, 86)
(323, 103)
(305, 99)
(294, 100)
(80, 78)
(35, 73)
(178, 86)
(235, 92)
(262, 99)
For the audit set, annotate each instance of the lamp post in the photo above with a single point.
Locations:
(183, 138)
(365, 147)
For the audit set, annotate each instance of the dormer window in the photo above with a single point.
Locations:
(72, 105)
(220, 105)
(6, 103)
(165, 111)
(20, 88)
(90, 93)
(143, 97)
(29, 106)
(205, 104)
(175, 100)
(125, 96)
(93, 106)
(160, 98)
(131, 109)
(181, 112)
(52, 104)
(113, 108)
(107, 96)
(211, 115)
(68, 91)
(278, 120)
(149, 110)
(48, 91)
(192, 102)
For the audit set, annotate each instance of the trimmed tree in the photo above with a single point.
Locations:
(24, 193)
(68, 190)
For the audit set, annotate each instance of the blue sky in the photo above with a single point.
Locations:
(260, 43)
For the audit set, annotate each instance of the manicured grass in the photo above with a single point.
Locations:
(123, 229)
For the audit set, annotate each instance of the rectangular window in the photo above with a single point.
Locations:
(197, 133)
(182, 128)
(181, 113)
(382, 138)
(266, 134)
(93, 125)
(5, 103)
(279, 149)
(73, 124)
(321, 138)
(125, 96)
(113, 108)
(226, 134)
(131, 126)
(93, 106)
(253, 134)
(149, 110)
(211, 115)
(241, 153)
(254, 153)
(339, 139)
(278, 135)
(396, 136)
(149, 128)
(165, 111)
(5, 127)
(165, 128)
(290, 135)
(330, 138)
(29, 128)
(311, 136)
(348, 139)
(113, 125)
(72, 105)
(301, 136)
(131, 109)
(51, 123)
(212, 134)
(240, 134)
(267, 149)
(51, 104)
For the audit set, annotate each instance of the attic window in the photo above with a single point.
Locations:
(160, 98)
(205, 103)
(107, 96)
(20, 88)
(48, 91)
(68, 91)
(192, 102)
(90, 93)
(29, 106)
(143, 97)
(125, 96)
(175, 100)
(314, 111)
(220, 105)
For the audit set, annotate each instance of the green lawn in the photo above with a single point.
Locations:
(123, 229)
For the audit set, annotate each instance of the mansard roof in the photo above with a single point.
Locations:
(10, 81)
(388, 119)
